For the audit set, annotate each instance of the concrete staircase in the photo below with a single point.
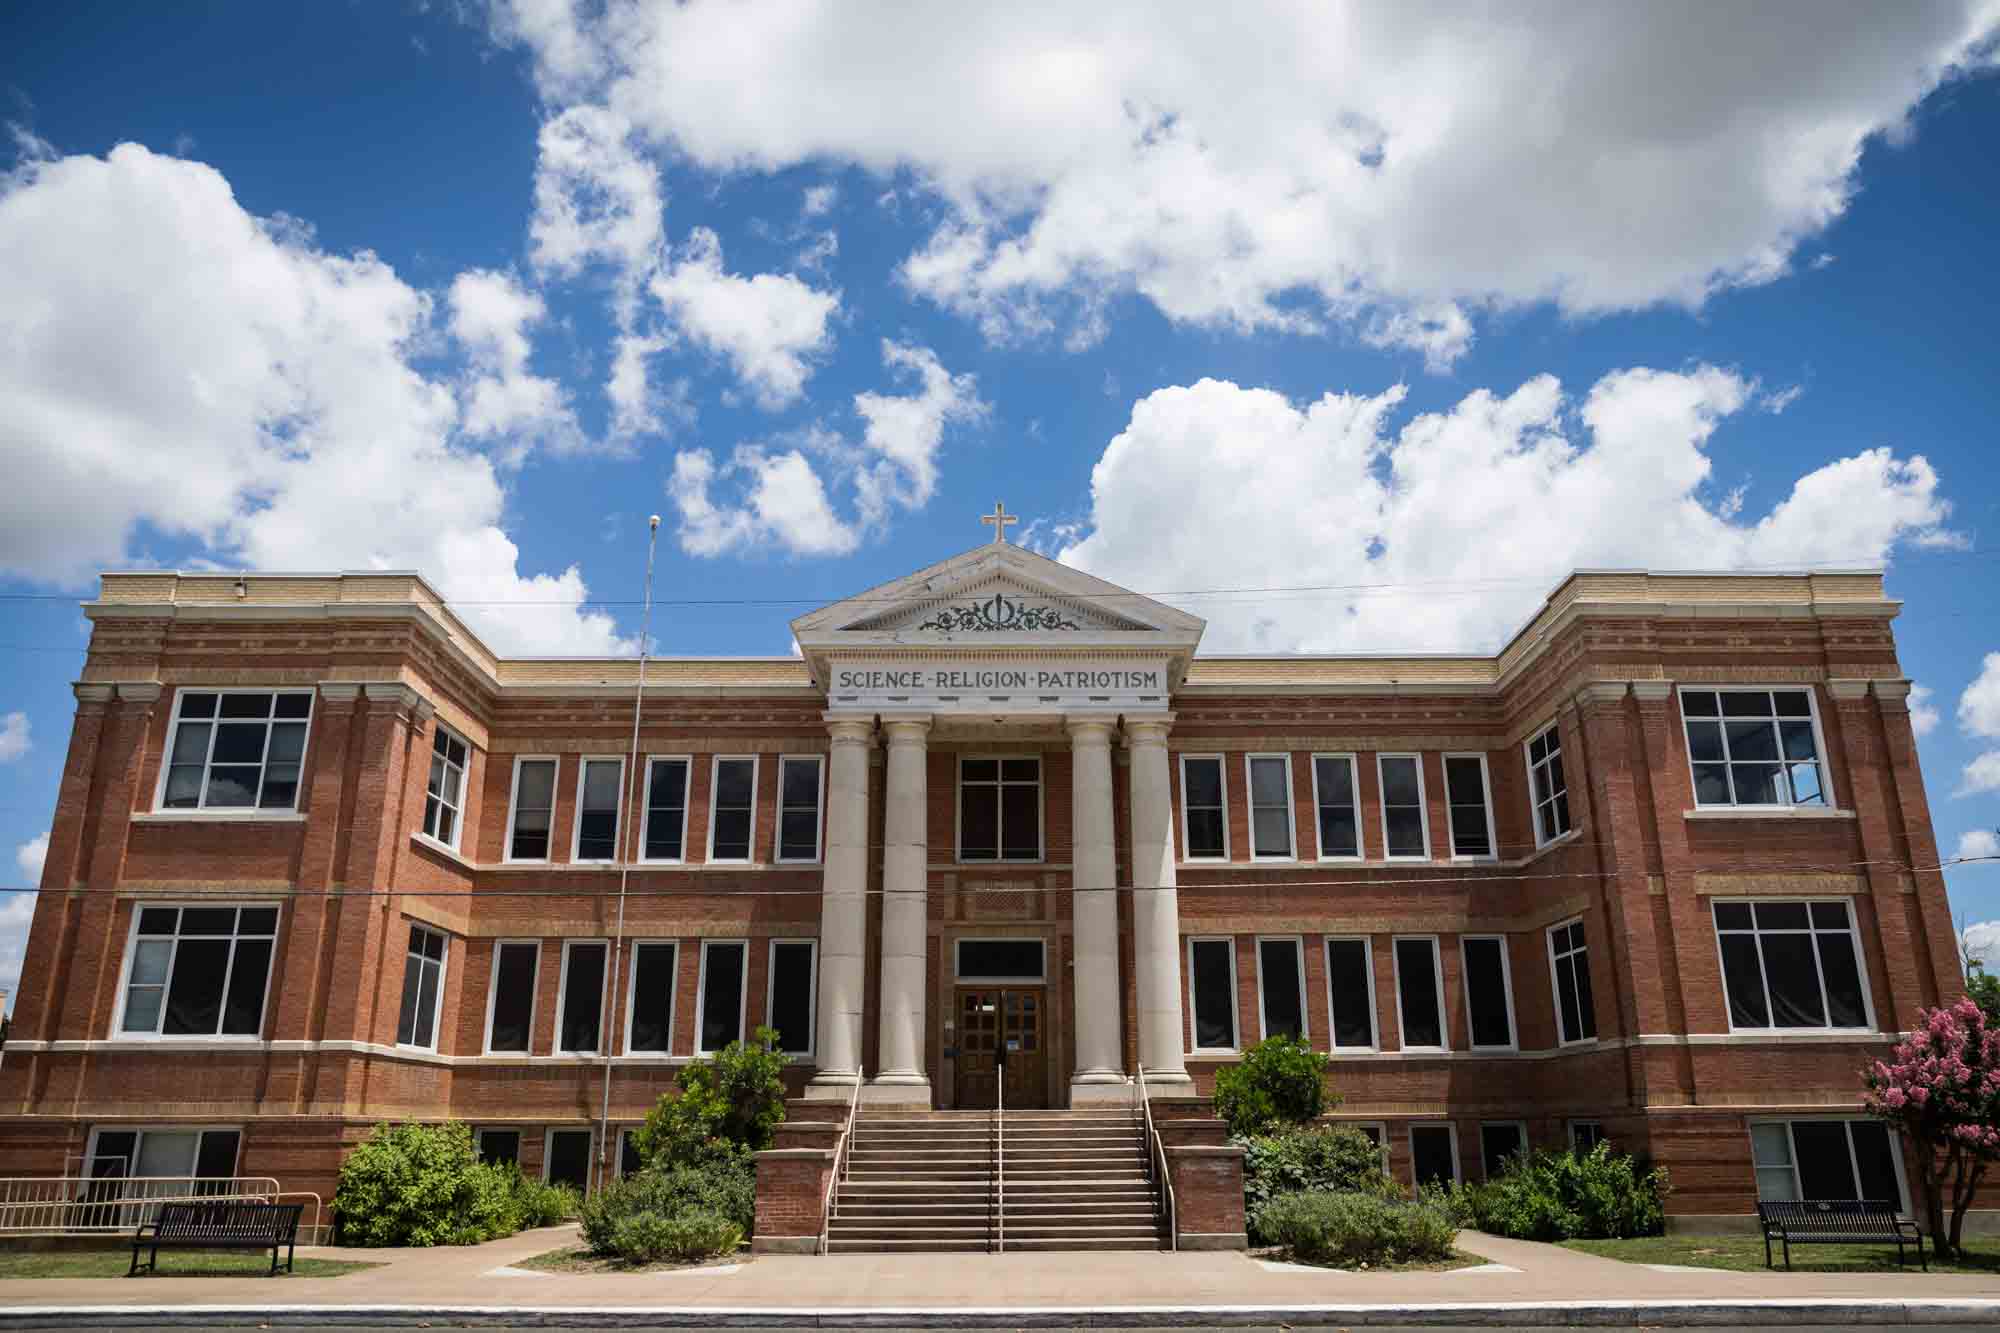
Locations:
(925, 1181)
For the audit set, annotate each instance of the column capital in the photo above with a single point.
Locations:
(1148, 730)
(1652, 691)
(906, 728)
(90, 692)
(1599, 692)
(849, 730)
(1848, 691)
(1090, 728)
(1893, 695)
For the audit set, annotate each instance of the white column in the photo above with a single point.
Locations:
(1094, 903)
(843, 916)
(1156, 912)
(905, 910)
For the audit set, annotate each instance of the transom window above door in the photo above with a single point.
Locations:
(999, 808)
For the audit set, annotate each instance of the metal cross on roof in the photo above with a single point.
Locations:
(999, 518)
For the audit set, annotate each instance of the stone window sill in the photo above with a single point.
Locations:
(1766, 812)
(219, 817)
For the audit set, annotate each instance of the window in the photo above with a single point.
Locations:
(649, 1007)
(1204, 808)
(1546, 787)
(789, 994)
(1585, 1135)
(423, 980)
(1212, 984)
(732, 809)
(198, 971)
(1498, 1142)
(1419, 993)
(1350, 980)
(1337, 798)
(1827, 1159)
(999, 809)
(235, 750)
(500, 1147)
(798, 808)
(1281, 986)
(629, 1161)
(1791, 964)
(531, 812)
(1001, 960)
(153, 1153)
(1434, 1153)
(580, 998)
(510, 996)
(444, 796)
(718, 1016)
(1489, 992)
(1569, 964)
(599, 787)
(1754, 747)
(666, 810)
(566, 1158)
(1406, 833)
(1468, 794)
(1270, 807)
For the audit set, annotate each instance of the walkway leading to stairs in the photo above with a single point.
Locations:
(925, 1181)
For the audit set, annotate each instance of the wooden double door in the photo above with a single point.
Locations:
(1002, 1033)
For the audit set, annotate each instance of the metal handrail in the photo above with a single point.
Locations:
(1000, 1147)
(97, 1205)
(1156, 1162)
(840, 1158)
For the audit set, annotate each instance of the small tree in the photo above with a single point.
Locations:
(727, 1105)
(1941, 1088)
(1281, 1081)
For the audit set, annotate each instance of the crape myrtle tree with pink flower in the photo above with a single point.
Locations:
(1941, 1088)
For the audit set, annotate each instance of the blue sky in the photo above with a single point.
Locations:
(1415, 316)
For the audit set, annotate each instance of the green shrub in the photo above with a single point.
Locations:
(728, 1191)
(1599, 1195)
(1350, 1229)
(421, 1185)
(734, 1099)
(1280, 1081)
(647, 1237)
(1329, 1160)
(539, 1204)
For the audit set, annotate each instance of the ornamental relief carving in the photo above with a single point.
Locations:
(998, 614)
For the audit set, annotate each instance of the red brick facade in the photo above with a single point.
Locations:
(1641, 868)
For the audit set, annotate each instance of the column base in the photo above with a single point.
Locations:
(1100, 1088)
(831, 1086)
(904, 1090)
(1168, 1083)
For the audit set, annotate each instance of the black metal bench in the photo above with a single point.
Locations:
(221, 1225)
(1838, 1222)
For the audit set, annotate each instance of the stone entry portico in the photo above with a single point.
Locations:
(994, 649)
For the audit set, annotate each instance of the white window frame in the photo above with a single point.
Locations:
(507, 856)
(456, 807)
(1299, 956)
(444, 966)
(493, 995)
(201, 805)
(1513, 1042)
(1520, 1126)
(1824, 760)
(1235, 998)
(742, 993)
(1570, 1127)
(1437, 981)
(118, 1032)
(625, 1050)
(646, 807)
(818, 761)
(1534, 806)
(1374, 1020)
(1853, 938)
(749, 856)
(562, 997)
(548, 1145)
(1555, 979)
(811, 1052)
(1354, 784)
(1291, 852)
(1221, 763)
(480, 1132)
(964, 980)
(1410, 1138)
(1381, 1128)
(625, 1133)
(139, 1132)
(1486, 798)
(576, 815)
(1853, 1162)
(1423, 804)
(1041, 811)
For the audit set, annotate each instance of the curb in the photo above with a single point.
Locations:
(1510, 1314)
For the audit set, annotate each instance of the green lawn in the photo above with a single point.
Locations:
(173, 1263)
(1745, 1254)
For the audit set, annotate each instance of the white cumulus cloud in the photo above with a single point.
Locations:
(30, 856)
(1471, 514)
(1923, 713)
(1978, 842)
(1979, 705)
(1397, 167)
(1981, 775)
(784, 504)
(174, 366)
(597, 201)
(15, 737)
(17, 914)
(1980, 942)
(771, 327)
(491, 315)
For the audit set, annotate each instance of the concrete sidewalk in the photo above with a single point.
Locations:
(1523, 1283)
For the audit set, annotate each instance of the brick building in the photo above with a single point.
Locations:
(1659, 871)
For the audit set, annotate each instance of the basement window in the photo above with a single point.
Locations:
(1827, 1159)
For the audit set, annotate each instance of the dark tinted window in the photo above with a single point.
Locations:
(513, 996)
(583, 997)
(721, 995)
(1202, 800)
(1430, 1152)
(1486, 992)
(653, 996)
(569, 1158)
(1347, 978)
(1278, 974)
(1339, 817)
(792, 995)
(666, 809)
(1214, 994)
(1416, 980)
(1010, 959)
(1497, 1143)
